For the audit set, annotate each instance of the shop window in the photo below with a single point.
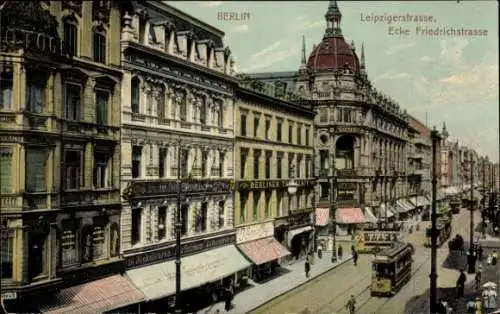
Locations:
(222, 214)
(256, 203)
(69, 252)
(101, 161)
(73, 97)
(136, 161)
(6, 90)
(136, 225)
(184, 218)
(98, 241)
(6, 253)
(36, 162)
(74, 171)
(5, 170)
(135, 92)
(162, 222)
(36, 260)
(35, 92)
(101, 107)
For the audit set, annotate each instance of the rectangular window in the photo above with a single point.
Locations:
(101, 107)
(162, 222)
(69, 253)
(267, 212)
(98, 242)
(256, 163)
(290, 134)
(184, 218)
(70, 38)
(5, 171)
(203, 113)
(201, 223)
(99, 47)
(299, 167)
(73, 102)
(184, 163)
(162, 170)
(308, 167)
(101, 161)
(183, 109)
(6, 90)
(222, 206)
(256, 202)
(222, 158)
(307, 137)
(324, 159)
(35, 93)
(36, 162)
(290, 165)
(136, 225)
(136, 161)
(220, 116)
(279, 130)
(256, 126)
(243, 125)
(73, 163)
(243, 206)
(299, 135)
(204, 161)
(279, 165)
(268, 128)
(6, 253)
(339, 114)
(269, 155)
(136, 95)
(243, 163)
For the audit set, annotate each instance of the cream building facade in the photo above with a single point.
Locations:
(59, 141)
(274, 144)
(177, 122)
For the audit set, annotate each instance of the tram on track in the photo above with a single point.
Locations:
(443, 226)
(373, 240)
(391, 269)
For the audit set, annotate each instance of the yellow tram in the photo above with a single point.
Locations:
(443, 226)
(391, 269)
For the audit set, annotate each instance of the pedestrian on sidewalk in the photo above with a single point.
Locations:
(480, 252)
(339, 252)
(477, 278)
(307, 268)
(351, 305)
(320, 251)
(494, 258)
(461, 284)
(229, 294)
(355, 257)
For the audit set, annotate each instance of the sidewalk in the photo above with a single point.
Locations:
(252, 298)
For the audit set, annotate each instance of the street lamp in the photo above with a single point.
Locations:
(436, 138)
(178, 230)
(471, 259)
(333, 200)
(483, 212)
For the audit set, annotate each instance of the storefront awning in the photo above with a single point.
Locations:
(158, 280)
(369, 216)
(382, 212)
(263, 250)
(402, 207)
(97, 296)
(322, 216)
(407, 204)
(350, 216)
(419, 201)
(294, 232)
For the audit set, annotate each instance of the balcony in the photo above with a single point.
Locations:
(324, 173)
(347, 173)
(90, 197)
(11, 202)
(36, 200)
(91, 130)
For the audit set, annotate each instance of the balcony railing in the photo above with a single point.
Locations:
(346, 173)
(93, 197)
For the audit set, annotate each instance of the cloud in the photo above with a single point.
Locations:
(399, 48)
(211, 4)
(426, 58)
(392, 76)
(302, 22)
(273, 54)
(451, 50)
(240, 28)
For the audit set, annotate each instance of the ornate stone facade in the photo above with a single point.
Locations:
(177, 120)
(59, 135)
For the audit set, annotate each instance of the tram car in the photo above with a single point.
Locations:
(443, 226)
(391, 269)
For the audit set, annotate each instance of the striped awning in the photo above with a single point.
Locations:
(369, 216)
(382, 212)
(350, 215)
(322, 216)
(263, 250)
(402, 207)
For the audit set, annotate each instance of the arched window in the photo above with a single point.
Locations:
(99, 43)
(135, 95)
(70, 33)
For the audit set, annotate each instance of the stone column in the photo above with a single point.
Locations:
(88, 105)
(154, 223)
(146, 216)
(18, 86)
(88, 165)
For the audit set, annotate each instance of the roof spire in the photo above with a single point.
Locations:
(303, 61)
(445, 131)
(362, 56)
(333, 18)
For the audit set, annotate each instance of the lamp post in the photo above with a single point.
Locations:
(385, 199)
(333, 200)
(435, 137)
(313, 200)
(178, 230)
(483, 201)
(471, 259)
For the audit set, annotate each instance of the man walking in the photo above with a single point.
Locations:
(355, 257)
(461, 284)
(307, 268)
(351, 305)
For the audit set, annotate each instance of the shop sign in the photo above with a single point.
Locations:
(270, 184)
(187, 248)
(254, 232)
(34, 41)
(299, 219)
(9, 296)
(145, 188)
(92, 273)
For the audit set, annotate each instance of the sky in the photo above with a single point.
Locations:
(452, 79)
